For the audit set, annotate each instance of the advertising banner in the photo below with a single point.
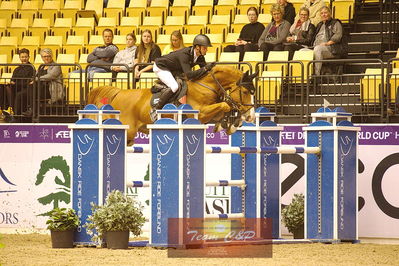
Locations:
(36, 160)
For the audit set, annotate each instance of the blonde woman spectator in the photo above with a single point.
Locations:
(314, 7)
(275, 33)
(176, 43)
(127, 55)
(147, 52)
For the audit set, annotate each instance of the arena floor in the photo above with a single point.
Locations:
(35, 249)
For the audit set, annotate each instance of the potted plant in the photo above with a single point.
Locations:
(115, 219)
(62, 224)
(293, 216)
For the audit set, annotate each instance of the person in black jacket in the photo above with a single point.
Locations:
(249, 35)
(21, 77)
(180, 62)
(289, 10)
(301, 33)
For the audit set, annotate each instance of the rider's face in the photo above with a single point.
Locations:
(203, 50)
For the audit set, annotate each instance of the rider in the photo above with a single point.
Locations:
(181, 62)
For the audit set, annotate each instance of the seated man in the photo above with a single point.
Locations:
(103, 55)
(21, 77)
(328, 38)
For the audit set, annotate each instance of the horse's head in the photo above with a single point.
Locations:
(245, 96)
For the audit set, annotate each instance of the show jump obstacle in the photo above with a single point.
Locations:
(177, 175)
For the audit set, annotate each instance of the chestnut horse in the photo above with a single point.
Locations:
(222, 90)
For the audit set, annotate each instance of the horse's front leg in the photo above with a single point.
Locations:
(213, 112)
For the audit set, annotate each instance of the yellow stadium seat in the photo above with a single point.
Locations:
(229, 57)
(41, 28)
(219, 24)
(8, 10)
(217, 41)
(210, 57)
(265, 18)
(343, 9)
(158, 8)
(225, 7)
(253, 58)
(62, 27)
(203, 8)
(75, 85)
(3, 26)
(277, 56)
(231, 38)
(101, 79)
(70, 9)
(305, 57)
(32, 43)
(239, 22)
(5, 78)
(195, 25)
(115, 9)
(136, 9)
(66, 59)
(75, 45)
(29, 10)
(106, 23)
(242, 8)
(128, 25)
(163, 40)
(95, 41)
(120, 41)
(54, 43)
(146, 80)
(123, 81)
(84, 27)
(269, 87)
(3, 60)
(173, 23)
(188, 39)
(394, 85)
(38, 61)
(50, 10)
(180, 8)
(83, 61)
(266, 5)
(18, 28)
(8, 45)
(153, 24)
(96, 6)
(370, 86)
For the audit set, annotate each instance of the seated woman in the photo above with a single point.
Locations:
(126, 56)
(147, 52)
(176, 43)
(301, 33)
(275, 33)
(49, 83)
(249, 35)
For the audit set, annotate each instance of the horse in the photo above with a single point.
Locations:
(220, 91)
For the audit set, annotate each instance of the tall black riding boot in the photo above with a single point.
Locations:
(165, 96)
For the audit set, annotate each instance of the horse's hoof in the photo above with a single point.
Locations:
(224, 124)
(237, 122)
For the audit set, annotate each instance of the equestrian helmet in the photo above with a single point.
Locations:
(202, 40)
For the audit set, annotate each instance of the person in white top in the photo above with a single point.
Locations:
(126, 56)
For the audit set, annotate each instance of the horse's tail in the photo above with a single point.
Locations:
(102, 95)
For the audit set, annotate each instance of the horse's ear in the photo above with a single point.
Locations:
(251, 77)
(245, 76)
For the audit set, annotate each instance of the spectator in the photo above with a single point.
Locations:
(49, 83)
(102, 55)
(275, 33)
(249, 35)
(289, 10)
(127, 55)
(21, 77)
(314, 7)
(328, 38)
(176, 43)
(301, 33)
(147, 52)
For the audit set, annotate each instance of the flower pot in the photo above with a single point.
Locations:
(62, 239)
(299, 233)
(117, 239)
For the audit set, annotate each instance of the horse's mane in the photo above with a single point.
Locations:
(228, 73)
(102, 95)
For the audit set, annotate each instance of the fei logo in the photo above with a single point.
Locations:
(85, 144)
(192, 144)
(345, 145)
(164, 144)
(112, 144)
(3, 176)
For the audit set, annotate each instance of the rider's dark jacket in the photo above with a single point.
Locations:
(182, 61)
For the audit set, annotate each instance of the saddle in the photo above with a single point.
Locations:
(159, 86)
